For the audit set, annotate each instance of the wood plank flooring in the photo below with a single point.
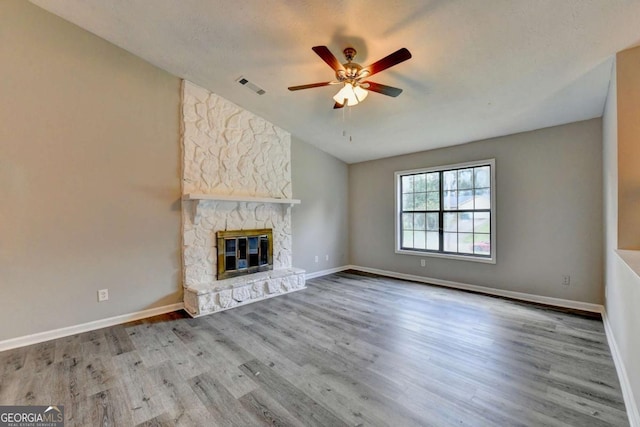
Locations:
(351, 350)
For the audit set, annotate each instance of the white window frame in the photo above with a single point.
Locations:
(398, 224)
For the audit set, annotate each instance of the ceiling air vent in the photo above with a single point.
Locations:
(247, 83)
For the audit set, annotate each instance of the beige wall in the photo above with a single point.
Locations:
(628, 112)
(320, 221)
(89, 176)
(622, 285)
(549, 215)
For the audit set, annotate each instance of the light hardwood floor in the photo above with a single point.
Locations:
(352, 349)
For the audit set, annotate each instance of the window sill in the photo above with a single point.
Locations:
(631, 258)
(491, 260)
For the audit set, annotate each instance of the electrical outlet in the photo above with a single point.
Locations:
(317, 258)
(326, 257)
(423, 263)
(566, 280)
(103, 295)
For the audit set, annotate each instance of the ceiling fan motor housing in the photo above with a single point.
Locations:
(350, 73)
(352, 70)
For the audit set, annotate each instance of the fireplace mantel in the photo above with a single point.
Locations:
(232, 198)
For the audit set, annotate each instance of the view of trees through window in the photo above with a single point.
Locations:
(447, 211)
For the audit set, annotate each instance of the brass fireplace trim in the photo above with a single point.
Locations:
(227, 234)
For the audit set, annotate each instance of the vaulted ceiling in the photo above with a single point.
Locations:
(480, 68)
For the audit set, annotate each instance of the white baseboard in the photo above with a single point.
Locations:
(625, 385)
(327, 272)
(557, 302)
(85, 327)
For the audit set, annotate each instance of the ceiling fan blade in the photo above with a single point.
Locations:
(383, 89)
(310, 86)
(388, 61)
(336, 106)
(326, 55)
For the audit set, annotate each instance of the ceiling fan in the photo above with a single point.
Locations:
(354, 77)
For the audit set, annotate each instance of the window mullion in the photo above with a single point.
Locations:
(441, 212)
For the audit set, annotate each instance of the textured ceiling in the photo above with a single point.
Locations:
(479, 69)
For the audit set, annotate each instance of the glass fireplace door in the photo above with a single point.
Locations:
(244, 252)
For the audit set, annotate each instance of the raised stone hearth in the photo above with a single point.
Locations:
(236, 175)
(228, 293)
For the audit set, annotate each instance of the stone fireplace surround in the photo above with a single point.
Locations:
(236, 176)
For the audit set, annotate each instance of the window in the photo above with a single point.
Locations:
(447, 211)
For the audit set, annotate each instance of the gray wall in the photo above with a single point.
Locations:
(549, 215)
(622, 285)
(320, 224)
(89, 176)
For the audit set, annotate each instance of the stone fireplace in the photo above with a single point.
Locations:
(236, 177)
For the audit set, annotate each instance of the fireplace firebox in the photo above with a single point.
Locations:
(243, 252)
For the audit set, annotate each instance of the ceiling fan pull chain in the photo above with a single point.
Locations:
(344, 121)
(349, 123)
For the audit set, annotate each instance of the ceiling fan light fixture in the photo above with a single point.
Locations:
(347, 94)
(360, 93)
(352, 95)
